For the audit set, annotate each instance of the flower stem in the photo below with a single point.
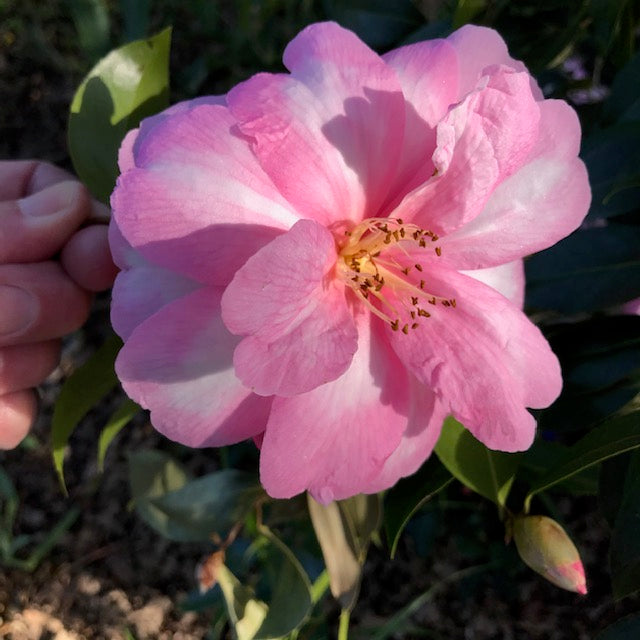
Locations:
(343, 629)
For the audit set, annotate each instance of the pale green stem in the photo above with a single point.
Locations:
(343, 629)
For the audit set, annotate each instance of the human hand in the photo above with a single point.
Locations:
(49, 264)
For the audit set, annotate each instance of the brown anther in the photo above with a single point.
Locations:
(399, 220)
(418, 267)
(415, 325)
(395, 324)
(431, 300)
(422, 284)
(376, 254)
(402, 232)
(387, 239)
(414, 300)
(416, 235)
(438, 251)
(422, 243)
(446, 303)
(405, 271)
(453, 302)
(434, 237)
(423, 313)
(413, 314)
(396, 236)
(405, 329)
(355, 278)
(347, 233)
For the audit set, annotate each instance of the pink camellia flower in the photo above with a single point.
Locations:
(329, 260)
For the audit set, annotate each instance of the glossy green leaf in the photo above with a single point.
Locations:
(626, 629)
(489, 473)
(82, 391)
(623, 102)
(600, 267)
(340, 558)
(130, 83)
(153, 474)
(290, 602)
(380, 23)
(600, 360)
(210, 505)
(612, 437)
(625, 539)
(612, 478)
(403, 500)
(246, 613)
(91, 19)
(466, 11)
(118, 420)
(543, 456)
(612, 157)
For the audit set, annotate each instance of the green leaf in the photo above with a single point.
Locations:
(82, 391)
(624, 100)
(129, 84)
(624, 629)
(466, 11)
(625, 538)
(489, 473)
(210, 505)
(91, 20)
(380, 23)
(118, 420)
(404, 499)
(613, 475)
(612, 157)
(290, 602)
(543, 456)
(612, 437)
(597, 278)
(153, 474)
(340, 558)
(245, 612)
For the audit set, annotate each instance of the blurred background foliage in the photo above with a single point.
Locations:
(584, 51)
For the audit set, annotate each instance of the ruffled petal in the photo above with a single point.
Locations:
(427, 72)
(335, 439)
(418, 440)
(197, 202)
(321, 132)
(480, 142)
(542, 203)
(478, 48)
(484, 358)
(300, 331)
(178, 364)
(508, 279)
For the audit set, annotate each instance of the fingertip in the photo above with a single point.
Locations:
(87, 259)
(18, 412)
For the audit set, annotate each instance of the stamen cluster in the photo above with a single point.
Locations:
(375, 258)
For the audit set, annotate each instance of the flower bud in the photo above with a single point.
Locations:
(545, 547)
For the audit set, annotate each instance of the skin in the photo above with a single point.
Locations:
(54, 254)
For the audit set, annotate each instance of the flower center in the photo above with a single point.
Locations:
(377, 261)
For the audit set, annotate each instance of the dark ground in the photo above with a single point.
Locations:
(112, 576)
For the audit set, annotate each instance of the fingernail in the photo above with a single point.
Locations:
(50, 201)
(18, 309)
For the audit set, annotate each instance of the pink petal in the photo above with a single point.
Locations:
(480, 143)
(335, 439)
(542, 203)
(138, 293)
(321, 132)
(508, 279)
(126, 157)
(479, 48)
(300, 331)
(178, 364)
(418, 440)
(484, 358)
(428, 75)
(197, 202)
